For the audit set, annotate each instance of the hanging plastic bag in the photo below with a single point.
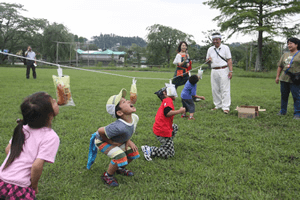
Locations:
(200, 73)
(133, 92)
(171, 90)
(63, 91)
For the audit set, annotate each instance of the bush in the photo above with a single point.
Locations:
(99, 64)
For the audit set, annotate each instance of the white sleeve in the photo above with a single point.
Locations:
(208, 55)
(177, 59)
(228, 53)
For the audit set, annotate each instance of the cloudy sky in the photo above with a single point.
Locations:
(89, 18)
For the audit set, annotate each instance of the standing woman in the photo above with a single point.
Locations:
(291, 61)
(182, 60)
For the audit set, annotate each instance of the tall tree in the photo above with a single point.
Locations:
(17, 31)
(248, 16)
(53, 35)
(162, 43)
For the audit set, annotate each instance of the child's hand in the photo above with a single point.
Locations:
(36, 190)
(202, 97)
(182, 110)
(131, 145)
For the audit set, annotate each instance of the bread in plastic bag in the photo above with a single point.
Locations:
(133, 92)
(63, 91)
(200, 73)
(171, 90)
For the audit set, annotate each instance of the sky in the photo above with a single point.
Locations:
(128, 18)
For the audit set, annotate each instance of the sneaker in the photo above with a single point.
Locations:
(147, 152)
(124, 172)
(191, 118)
(296, 117)
(280, 113)
(109, 180)
(183, 116)
(226, 111)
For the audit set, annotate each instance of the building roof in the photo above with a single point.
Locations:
(106, 52)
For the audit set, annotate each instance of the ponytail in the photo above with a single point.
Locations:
(36, 110)
(17, 143)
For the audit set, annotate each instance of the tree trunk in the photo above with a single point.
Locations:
(258, 63)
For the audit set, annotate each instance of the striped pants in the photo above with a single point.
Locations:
(117, 153)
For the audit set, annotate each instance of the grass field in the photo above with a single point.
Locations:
(217, 156)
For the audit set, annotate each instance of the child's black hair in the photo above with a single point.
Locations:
(193, 79)
(160, 93)
(117, 109)
(36, 110)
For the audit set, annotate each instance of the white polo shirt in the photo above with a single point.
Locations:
(217, 61)
(31, 55)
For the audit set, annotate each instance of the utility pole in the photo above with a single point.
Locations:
(57, 52)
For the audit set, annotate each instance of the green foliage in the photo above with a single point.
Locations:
(217, 156)
(107, 41)
(163, 42)
(255, 16)
(80, 39)
(52, 34)
(99, 64)
(17, 31)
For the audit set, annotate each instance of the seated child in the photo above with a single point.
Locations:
(114, 139)
(33, 143)
(188, 94)
(163, 128)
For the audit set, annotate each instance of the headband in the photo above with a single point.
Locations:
(216, 36)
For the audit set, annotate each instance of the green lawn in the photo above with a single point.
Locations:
(217, 156)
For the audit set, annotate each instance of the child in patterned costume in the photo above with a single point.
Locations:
(164, 129)
(114, 139)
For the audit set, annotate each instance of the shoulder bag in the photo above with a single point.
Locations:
(220, 55)
(295, 77)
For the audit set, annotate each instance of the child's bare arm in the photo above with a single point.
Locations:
(101, 132)
(175, 112)
(131, 145)
(36, 172)
(200, 97)
(7, 149)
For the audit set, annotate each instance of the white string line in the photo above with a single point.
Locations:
(97, 71)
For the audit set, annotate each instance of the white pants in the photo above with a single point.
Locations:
(220, 86)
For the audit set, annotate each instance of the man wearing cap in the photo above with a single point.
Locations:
(219, 56)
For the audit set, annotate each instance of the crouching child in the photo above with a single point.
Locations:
(163, 127)
(114, 140)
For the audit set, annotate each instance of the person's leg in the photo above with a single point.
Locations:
(295, 89)
(112, 168)
(28, 70)
(225, 89)
(285, 92)
(33, 71)
(118, 157)
(191, 109)
(186, 109)
(131, 155)
(166, 149)
(215, 87)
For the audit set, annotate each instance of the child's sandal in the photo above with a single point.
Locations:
(191, 118)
